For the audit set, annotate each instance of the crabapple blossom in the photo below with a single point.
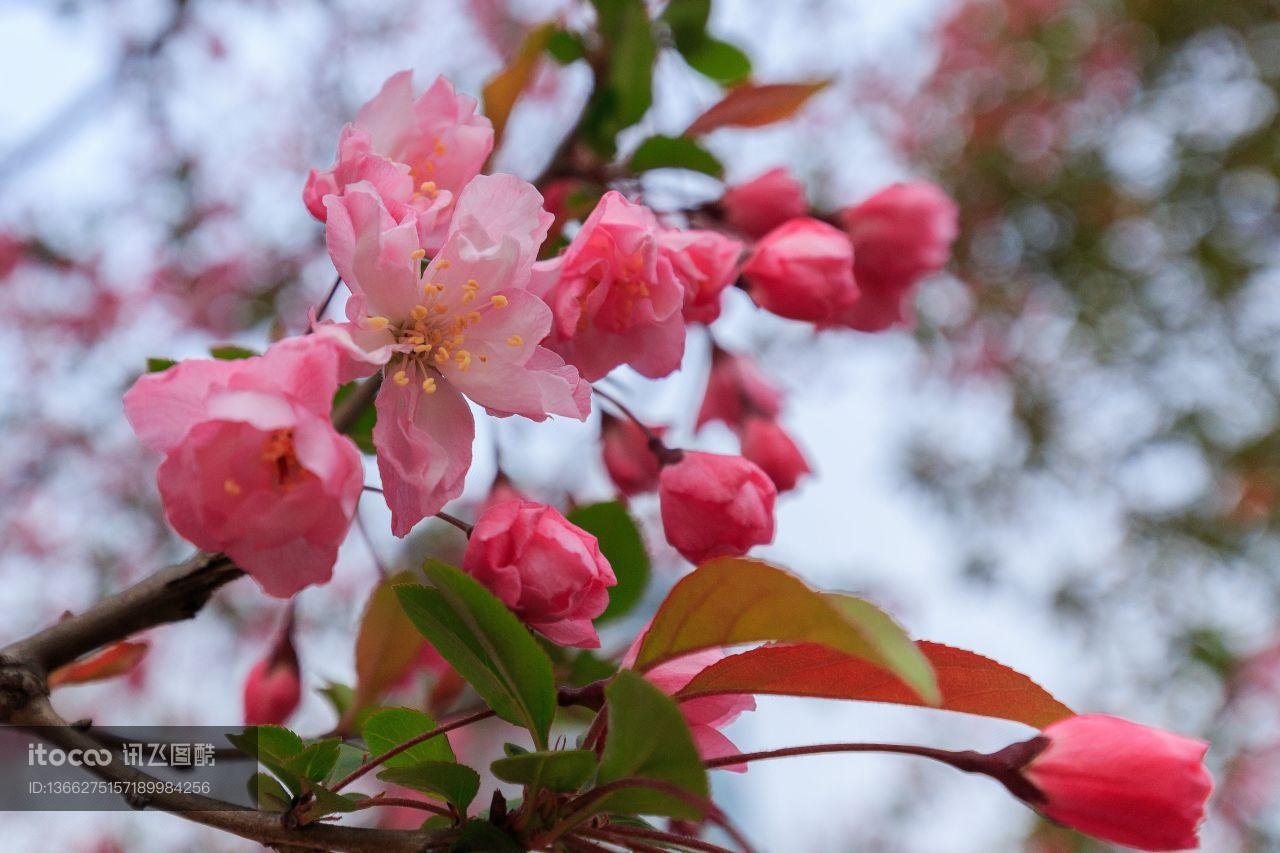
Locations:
(706, 262)
(628, 459)
(768, 445)
(758, 206)
(617, 298)
(1121, 781)
(466, 324)
(705, 715)
(547, 570)
(803, 270)
(418, 154)
(252, 464)
(737, 389)
(899, 235)
(714, 505)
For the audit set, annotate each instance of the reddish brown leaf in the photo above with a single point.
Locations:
(504, 88)
(755, 106)
(969, 682)
(115, 659)
(386, 646)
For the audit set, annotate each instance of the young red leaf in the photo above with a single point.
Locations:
(504, 88)
(387, 645)
(730, 601)
(969, 682)
(755, 106)
(116, 659)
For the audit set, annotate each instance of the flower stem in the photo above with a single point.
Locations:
(666, 455)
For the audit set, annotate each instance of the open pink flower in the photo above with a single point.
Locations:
(736, 390)
(1122, 782)
(418, 154)
(767, 444)
(802, 270)
(548, 571)
(617, 299)
(706, 262)
(252, 464)
(466, 325)
(899, 235)
(758, 206)
(706, 715)
(714, 505)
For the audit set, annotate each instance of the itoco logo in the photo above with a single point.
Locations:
(38, 755)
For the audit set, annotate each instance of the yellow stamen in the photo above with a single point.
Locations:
(419, 312)
(439, 148)
(443, 263)
(429, 385)
(231, 486)
(441, 308)
(515, 340)
(463, 358)
(483, 358)
(442, 355)
(418, 254)
(428, 188)
(400, 378)
(499, 300)
(376, 323)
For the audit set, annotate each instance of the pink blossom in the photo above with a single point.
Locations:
(899, 235)
(737, 389)
(1123, 782)
(252, 464)
(273, 687)
(705, 262)
(767, 444)
(417, 153)
(762, 204)
(628, 459)
(549, 572)
(466, 325)
(802, 270)
(617, 299)
(714, 505)
(706, 715)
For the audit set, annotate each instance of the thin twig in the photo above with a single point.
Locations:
(324, 306)
(377, 760)
(404, 802)
(671, 838)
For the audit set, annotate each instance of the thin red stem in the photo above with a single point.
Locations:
(968, 761)
(671, 838)
(409, 744)
(406, 802)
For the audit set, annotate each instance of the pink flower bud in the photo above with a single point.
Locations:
(1121, 781)
(768, 445)
(715, 505)
(760, 205)
(628, 459)
(736, 390)
(802, 270)
(549, 572)
(899, 235)
(273, 687)
(705, 262)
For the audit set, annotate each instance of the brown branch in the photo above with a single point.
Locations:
(263, 827)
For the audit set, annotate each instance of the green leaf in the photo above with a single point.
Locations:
(560, 770)
(623, 546)
(648, 738)
(675, 152)
(588, 667)
(730, 601)
(687, 20)
(486, 644)
(231, 352)
(274, 747)
(898, 653)
(391, 727)
(722, 62)
(268, 794)
(315, 761)
(349, 758)
(327, 802)
(566, 47)
(454, 782)
(626, 93)
(361, 432)
(156, 365)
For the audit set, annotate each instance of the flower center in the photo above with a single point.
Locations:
(279, 453)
